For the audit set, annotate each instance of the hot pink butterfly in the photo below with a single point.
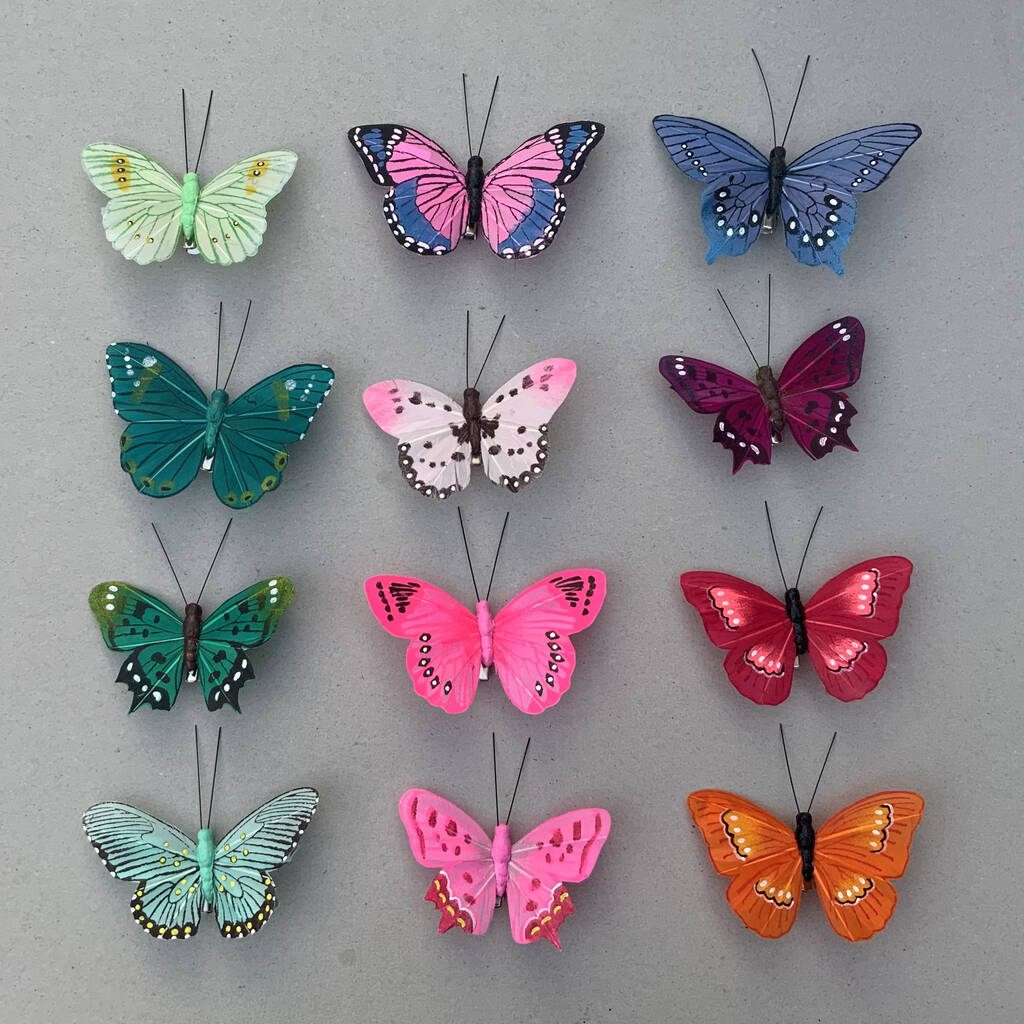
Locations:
(451, 649)
(477, 873)
(439, 440)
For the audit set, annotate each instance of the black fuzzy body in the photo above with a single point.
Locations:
(804, 834)
(795, 611)
(475, 189)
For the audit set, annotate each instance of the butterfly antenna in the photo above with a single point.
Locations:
(220, 321)
(170, 564)
(494, 761)
(214, 562)
(807, 546)
(488, 117)
(238, 348)
(771, 110)
(775, 546)
(738, 328)
(469, 559)
(213, 781)
(785, 754)
(494, 564)
(465, 104)
(518, 777)
(199, 779)
(467, 349)
(209, 104)
(798, 88)
(184, 132)
(488, 356)
(768, 361)
(822, 772)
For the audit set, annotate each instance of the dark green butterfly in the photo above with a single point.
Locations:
(163, 645)
(174, 430)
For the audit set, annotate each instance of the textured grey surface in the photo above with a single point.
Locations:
(635, 486)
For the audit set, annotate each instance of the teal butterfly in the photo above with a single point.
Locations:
(177, 879)
(163, 646)
(174, 430)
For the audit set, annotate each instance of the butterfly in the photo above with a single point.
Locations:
(430, 204)
(840, 627)
(149, 208)
(174, 430)
(814, 196)
(849, 859)
(476, 873)
(807, 396)
(177, 878)
(439, 440)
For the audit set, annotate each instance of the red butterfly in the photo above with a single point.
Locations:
(840, 627)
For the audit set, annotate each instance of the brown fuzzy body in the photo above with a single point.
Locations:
(769, 388)
(190, 632)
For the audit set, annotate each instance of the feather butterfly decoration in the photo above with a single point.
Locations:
(477, 873)
(430, 204)
(848, 860)
(149, 209)
(807, 397)
(840, 627)
(814, 197)
(177, 879)
(174, 430)
(451, 649)
(163, 646)
(439, 440)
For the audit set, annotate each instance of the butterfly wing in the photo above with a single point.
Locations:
(434, 452)
(246, 620)
(132, 620)
(251, 448)
(855, 853)
(742, 420)
(817, 410)
(735, 177)
(135, 846)
(514, 425)
(562, 849)
(143, 218)
(162, 447)
(444, 836)
(445, 653)
(819, 205)
(848, 616)
(244, 896)
(752, 626)
(427, 204)
(758, 852)
(231, 213)
(533, 655)
(522, 205)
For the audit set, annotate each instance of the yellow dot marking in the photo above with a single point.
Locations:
(163, 860)
(226, 848)
(242, 836)
(245, 852)
(174, 931)
(177, 863)
(232, 883)
(188, 929)
(121, 169)
(184, 853)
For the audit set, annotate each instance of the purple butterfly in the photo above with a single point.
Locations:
(814, 196)
(807, 396)
(430, 204)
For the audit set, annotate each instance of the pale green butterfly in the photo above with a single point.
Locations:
(223, 221)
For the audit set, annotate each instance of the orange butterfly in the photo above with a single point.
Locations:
(849, 860)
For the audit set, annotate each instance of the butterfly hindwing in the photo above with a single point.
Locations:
(522, 205)
(162, 447)
(143, 217)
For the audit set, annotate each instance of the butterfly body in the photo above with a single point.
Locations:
(474, 195)
(772, 398)
(191, 624)
(804, 836)
(798, 617)
(776, 176)
(485, 623)
(205, 852)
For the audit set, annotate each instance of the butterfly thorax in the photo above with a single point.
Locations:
(475, 188)
(769, 388)
(475, 427)
(776, 172)
(189, 202)
(501, 854)
(190, 626)
(204, 856)
(214, 418)
(795, 611)
(804, 834)
(485, 623)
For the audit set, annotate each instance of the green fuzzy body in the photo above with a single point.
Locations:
(189, 202)
(214, 418)
(204, 855)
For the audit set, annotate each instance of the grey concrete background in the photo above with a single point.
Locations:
(635, 487)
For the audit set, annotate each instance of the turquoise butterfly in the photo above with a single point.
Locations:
(149, 208)
(174, 430)
(163, 645)
(178, 879)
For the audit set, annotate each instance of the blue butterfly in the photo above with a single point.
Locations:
(814, 197)
(174, 430)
